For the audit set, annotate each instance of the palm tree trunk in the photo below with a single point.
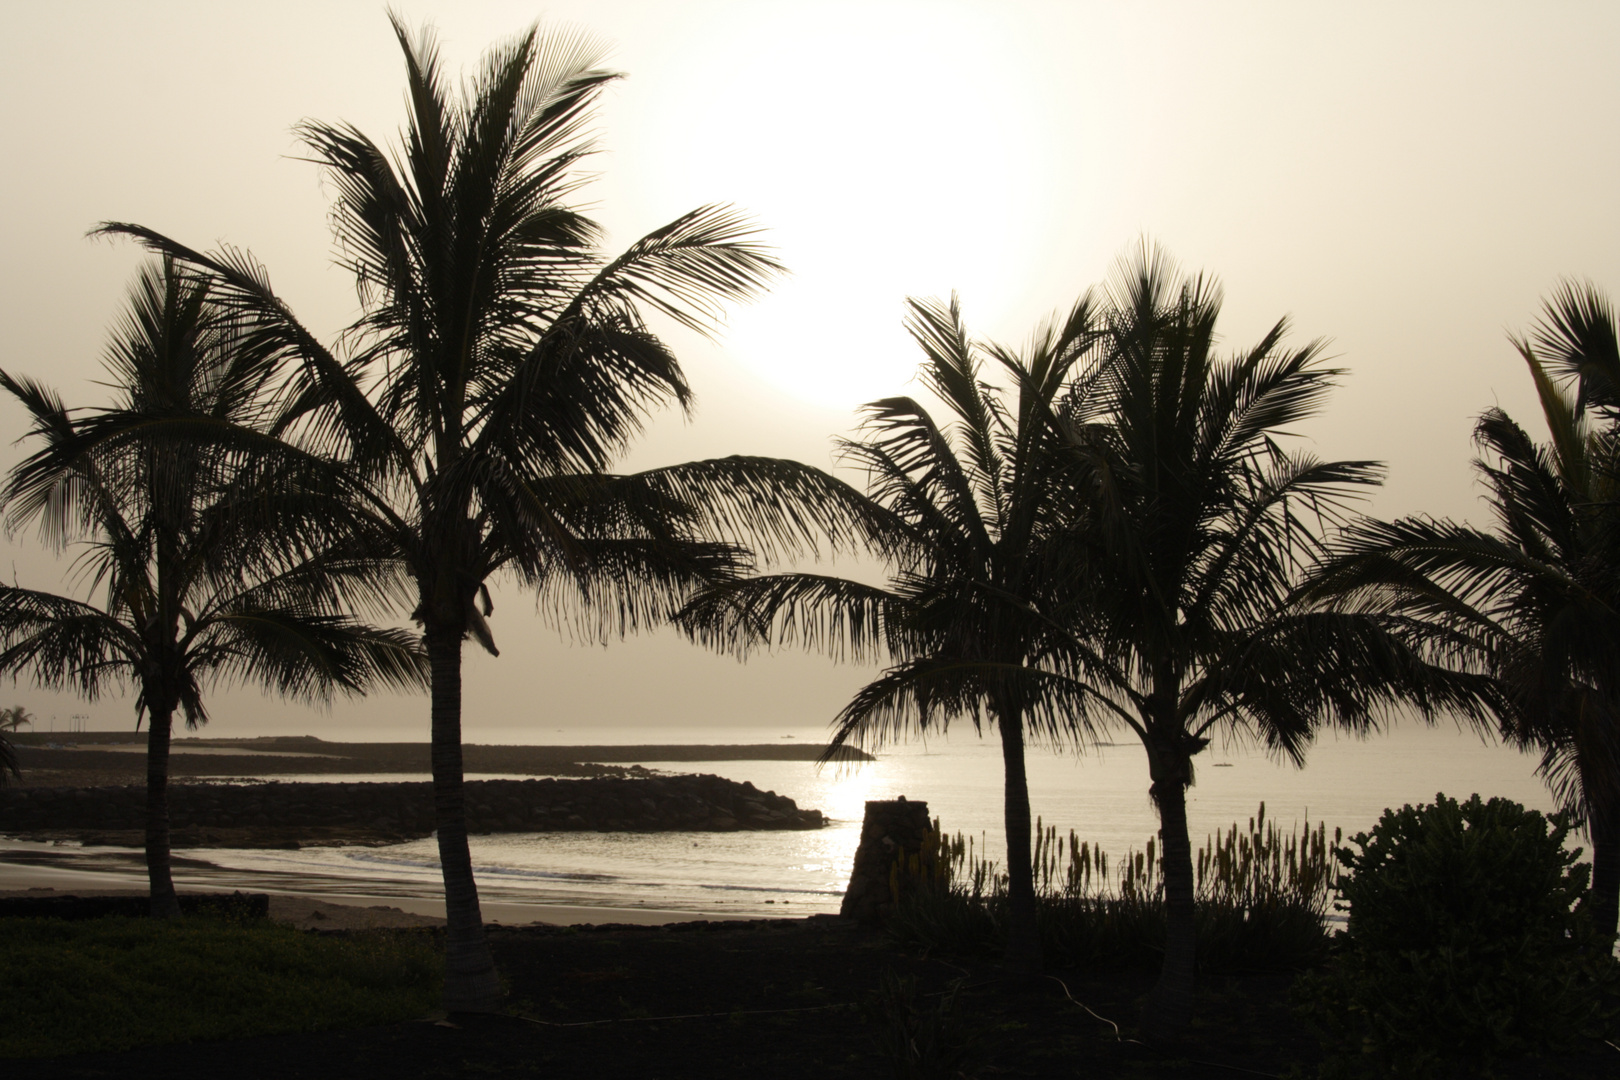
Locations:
(1168, 1009)
(1605, 895)
(470, 981)
(1023, 934)
(165, 905)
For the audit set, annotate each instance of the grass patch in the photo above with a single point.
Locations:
(118, 983)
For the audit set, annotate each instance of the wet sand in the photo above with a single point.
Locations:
(339, 911)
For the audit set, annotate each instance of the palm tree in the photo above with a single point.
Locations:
(498, 369)
(207, 546)
(11, 720)
(977, 526)
(1202, 525)
(1537, 598)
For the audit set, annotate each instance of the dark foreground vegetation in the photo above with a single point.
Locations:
(809, 998)
(1263, 901)
(1469, 948)
(1467, 953)
(111, 984)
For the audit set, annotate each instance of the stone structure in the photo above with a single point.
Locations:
(892, 831)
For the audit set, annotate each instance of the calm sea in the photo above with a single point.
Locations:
(1101, 795)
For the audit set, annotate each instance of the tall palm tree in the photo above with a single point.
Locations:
(977, 524)
(498, 369)
(1202, 526)
(209, 550)
(1537, 598)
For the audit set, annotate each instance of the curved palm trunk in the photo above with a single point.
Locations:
(165, 905)
(1605, 896)
(470, 981)
(1023, 934)
(1168, 1009)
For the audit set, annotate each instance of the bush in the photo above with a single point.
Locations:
(1464, 944)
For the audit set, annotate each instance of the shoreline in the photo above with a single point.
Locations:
(360, 910)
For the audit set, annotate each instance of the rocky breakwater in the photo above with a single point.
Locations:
(300, 814)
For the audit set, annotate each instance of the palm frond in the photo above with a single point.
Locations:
(1576, 332)
(64, 644)
(685, 270)
(847, 620)
(780, 507)
(618, 587)
(306, 657)
(925, 695)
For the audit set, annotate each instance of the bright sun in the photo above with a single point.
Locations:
(888, 152)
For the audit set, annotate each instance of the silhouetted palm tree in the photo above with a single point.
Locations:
(1537, 599)
(211, 554)
(498, 369)
(11, 719)
(977, 520)
(1202, 525)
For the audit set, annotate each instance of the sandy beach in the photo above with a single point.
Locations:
(348, 911)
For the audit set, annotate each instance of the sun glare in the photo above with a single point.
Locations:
(889, 154)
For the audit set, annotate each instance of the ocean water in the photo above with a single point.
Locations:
(1100, 794)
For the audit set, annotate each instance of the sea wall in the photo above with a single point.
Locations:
(391, 811)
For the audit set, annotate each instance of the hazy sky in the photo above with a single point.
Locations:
(1405, 180)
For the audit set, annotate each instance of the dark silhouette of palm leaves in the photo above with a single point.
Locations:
(1533, 603)
(1199, 528)
(1575, 336)
(212, 559)
(973, 526)
(498, 369)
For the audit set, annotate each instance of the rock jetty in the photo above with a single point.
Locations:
(292, 814)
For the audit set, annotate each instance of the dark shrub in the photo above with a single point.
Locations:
(1464, 944)
(922, 1038)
